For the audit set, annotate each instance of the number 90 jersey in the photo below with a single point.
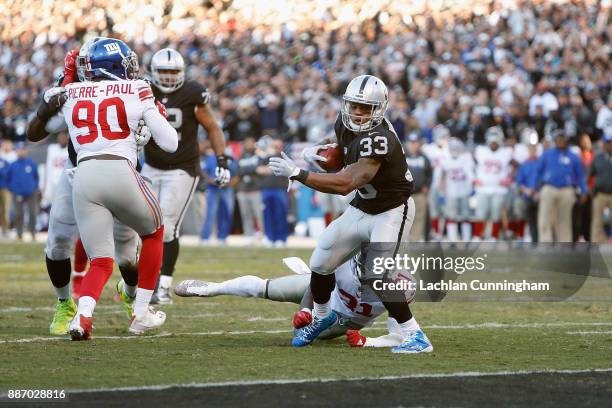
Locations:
(101, 116)
(392, 184)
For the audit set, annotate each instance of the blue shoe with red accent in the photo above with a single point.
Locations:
(308, 334)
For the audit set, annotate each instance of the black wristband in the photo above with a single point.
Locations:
(301, 176)
(223, 161)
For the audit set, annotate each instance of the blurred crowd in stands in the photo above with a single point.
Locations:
(535, 73)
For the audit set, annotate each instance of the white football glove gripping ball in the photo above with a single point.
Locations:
(283, 166)
(310, 155)
(142, 134)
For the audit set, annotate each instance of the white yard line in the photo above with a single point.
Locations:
(591, 332)
(247, 332)
(302, 381)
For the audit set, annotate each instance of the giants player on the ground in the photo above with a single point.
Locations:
(102, 115)
(381, 212)
(352, 299)
(175, 175)
(493, 176)
(62, 223)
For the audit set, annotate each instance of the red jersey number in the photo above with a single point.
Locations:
(89, 122)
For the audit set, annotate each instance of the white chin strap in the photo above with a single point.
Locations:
(110, 75)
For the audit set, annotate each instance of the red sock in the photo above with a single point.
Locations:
(495, 232)
(150, 259)
(435, 225)
(478, 228)
(80, 257)
(520, 229)
(99, 271)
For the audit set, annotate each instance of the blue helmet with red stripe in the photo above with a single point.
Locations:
(109, 58)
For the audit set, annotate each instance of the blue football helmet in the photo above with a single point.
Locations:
(109, 58)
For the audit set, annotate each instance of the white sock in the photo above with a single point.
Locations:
(165, 281)
(81, 274)
(408, 327)
(453, 231)
(143, 298)
(321, 310)
(63, 292)
(466, 231)
(243, 286)
(129, 290)
(87, 305)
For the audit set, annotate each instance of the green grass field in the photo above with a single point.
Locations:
(232, 339)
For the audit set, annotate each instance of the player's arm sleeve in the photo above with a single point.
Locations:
(162, 132)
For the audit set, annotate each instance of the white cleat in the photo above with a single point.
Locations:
(151, 320)
(190, 288)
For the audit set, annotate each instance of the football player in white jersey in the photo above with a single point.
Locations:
(102, 115)
(493, 176)
(457, 177)
(353, 300)
(62, 223)
(437, 153)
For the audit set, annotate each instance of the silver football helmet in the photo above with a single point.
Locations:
(494, 134)
(529, 136)
(455, 147)
(440, 135)
(168, 70)
(364, 90)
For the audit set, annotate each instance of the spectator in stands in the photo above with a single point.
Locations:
(560, 173)
(526, 180)
(249, 190)
(274, 195)
(22, 182)
(219, 200)
(601, 170)
(5, 198)
(420, 167)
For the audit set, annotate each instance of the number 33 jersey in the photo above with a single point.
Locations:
(102, 116)
(392, 184)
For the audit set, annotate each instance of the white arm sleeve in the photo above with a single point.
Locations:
(162, 132)
(56, 124)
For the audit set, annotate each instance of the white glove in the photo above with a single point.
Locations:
(143, 133)
(222, 176)
(70, 174)
(310, 154)
(283, 166)
(51, 92)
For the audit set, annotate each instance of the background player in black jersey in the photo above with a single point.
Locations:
(381, 211)
(175, 175)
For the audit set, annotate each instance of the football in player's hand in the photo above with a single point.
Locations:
(333, 155)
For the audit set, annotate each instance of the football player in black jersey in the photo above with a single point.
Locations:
(175, 175)
(381, 211)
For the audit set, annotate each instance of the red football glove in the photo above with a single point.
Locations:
(354, 338)
(302, 318)
(70, 71)
(162, 109)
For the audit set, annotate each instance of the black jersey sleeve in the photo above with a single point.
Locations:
(198, 94)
